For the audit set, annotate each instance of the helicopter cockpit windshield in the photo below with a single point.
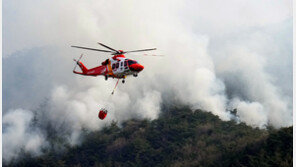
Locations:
(130, 62)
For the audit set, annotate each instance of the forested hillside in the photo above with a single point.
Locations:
(179, 137)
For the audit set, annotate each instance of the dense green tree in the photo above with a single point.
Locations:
(179, 137)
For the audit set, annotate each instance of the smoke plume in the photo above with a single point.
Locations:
(218, 56)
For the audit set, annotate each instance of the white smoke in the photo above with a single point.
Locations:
(244, 74)
(252, 113)
(218, 56)
(18, 134)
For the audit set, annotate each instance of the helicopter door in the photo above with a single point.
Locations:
(118, 67)
(121, 66)
(115, 67)
(125, 65)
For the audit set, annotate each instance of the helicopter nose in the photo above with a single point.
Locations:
(136, 67)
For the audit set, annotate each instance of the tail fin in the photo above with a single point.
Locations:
(82, 66)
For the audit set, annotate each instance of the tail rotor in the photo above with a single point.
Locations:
(77, 61)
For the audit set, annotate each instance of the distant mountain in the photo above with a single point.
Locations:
(179, 137)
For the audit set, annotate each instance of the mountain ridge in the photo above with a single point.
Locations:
(179, 137)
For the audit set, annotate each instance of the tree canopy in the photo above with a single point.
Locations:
(179, 137)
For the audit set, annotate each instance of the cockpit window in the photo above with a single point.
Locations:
(130, 62)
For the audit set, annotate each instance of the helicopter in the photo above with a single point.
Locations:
(116, 67)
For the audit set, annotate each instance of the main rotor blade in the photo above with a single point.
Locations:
(146, 55)
(142, 50)
(80, 47)
(153, 55)
(108, 47)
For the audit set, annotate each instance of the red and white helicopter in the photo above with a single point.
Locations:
(116, 67)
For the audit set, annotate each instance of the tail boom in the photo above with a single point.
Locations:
(100, 70)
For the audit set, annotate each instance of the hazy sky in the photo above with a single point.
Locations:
(219, 55)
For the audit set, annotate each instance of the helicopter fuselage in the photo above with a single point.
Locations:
(116, 67)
